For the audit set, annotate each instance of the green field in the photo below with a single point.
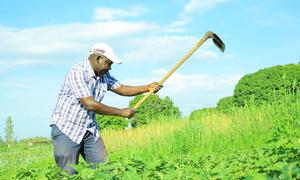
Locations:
(245, 143)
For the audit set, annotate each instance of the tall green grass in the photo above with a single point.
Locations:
(239, 128)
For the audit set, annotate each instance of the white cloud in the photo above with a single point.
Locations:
(37, 46)
(8, 65)
(179, 83)
(16, 85)
(178, 26)
(157, 49)
(197, 82)
(65, 38)
(206, 54)
(109, 14)
(201, 6)
(192, 91)
(20, 48)
(185, 17)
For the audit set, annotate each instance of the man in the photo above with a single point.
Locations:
(74, 128)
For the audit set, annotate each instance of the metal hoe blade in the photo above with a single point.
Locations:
(217, 41)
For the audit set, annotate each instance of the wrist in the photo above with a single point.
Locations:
(119, 112)
(148, 87)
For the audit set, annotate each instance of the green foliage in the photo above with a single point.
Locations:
(278, 159)
(225, 104)
(249, 142)
(201, 113)
(51, 172)
(9, 131)
(1, 141)
(267, 84)
(111, 122)
(153, 108)
(24, 156)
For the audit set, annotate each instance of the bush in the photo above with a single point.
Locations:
(111, 122)
(225, 104)
(267, 84)
(153, 108)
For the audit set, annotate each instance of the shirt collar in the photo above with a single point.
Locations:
(89, 69)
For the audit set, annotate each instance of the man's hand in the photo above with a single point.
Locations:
(155, 87)
(127, 112)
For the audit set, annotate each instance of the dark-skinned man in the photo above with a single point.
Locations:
(74, 128)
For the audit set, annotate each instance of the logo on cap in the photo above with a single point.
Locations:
(101, 51)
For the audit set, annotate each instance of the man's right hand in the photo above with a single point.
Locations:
(128, 112)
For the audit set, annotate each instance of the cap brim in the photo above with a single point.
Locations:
(118, 62)
(115, 60)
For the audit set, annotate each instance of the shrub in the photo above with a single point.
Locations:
(111, 122)
(225, 104)
(267, 84)
(153, 108)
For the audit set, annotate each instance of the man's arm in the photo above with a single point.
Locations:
(125, 90)
(91, 104)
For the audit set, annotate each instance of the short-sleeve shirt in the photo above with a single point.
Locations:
(69, 115)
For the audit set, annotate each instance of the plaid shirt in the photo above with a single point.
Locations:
(69, 115)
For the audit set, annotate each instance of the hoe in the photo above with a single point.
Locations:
(217, 41)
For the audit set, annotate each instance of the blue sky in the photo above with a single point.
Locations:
(41, 40)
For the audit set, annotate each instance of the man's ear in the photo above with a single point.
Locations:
(98, 59)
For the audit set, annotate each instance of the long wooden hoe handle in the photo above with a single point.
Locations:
(199, 43)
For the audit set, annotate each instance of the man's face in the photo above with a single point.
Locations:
(104, 64)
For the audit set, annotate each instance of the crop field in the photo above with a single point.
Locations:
(245, 143)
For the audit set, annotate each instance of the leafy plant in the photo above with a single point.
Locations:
(225, 104)
(267, 84)
(152, 109)
(111, 122)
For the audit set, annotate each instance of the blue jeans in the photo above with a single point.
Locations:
(67, 152)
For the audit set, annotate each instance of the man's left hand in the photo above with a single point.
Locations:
(155, 87)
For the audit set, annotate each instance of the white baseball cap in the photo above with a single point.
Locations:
(106, 50)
